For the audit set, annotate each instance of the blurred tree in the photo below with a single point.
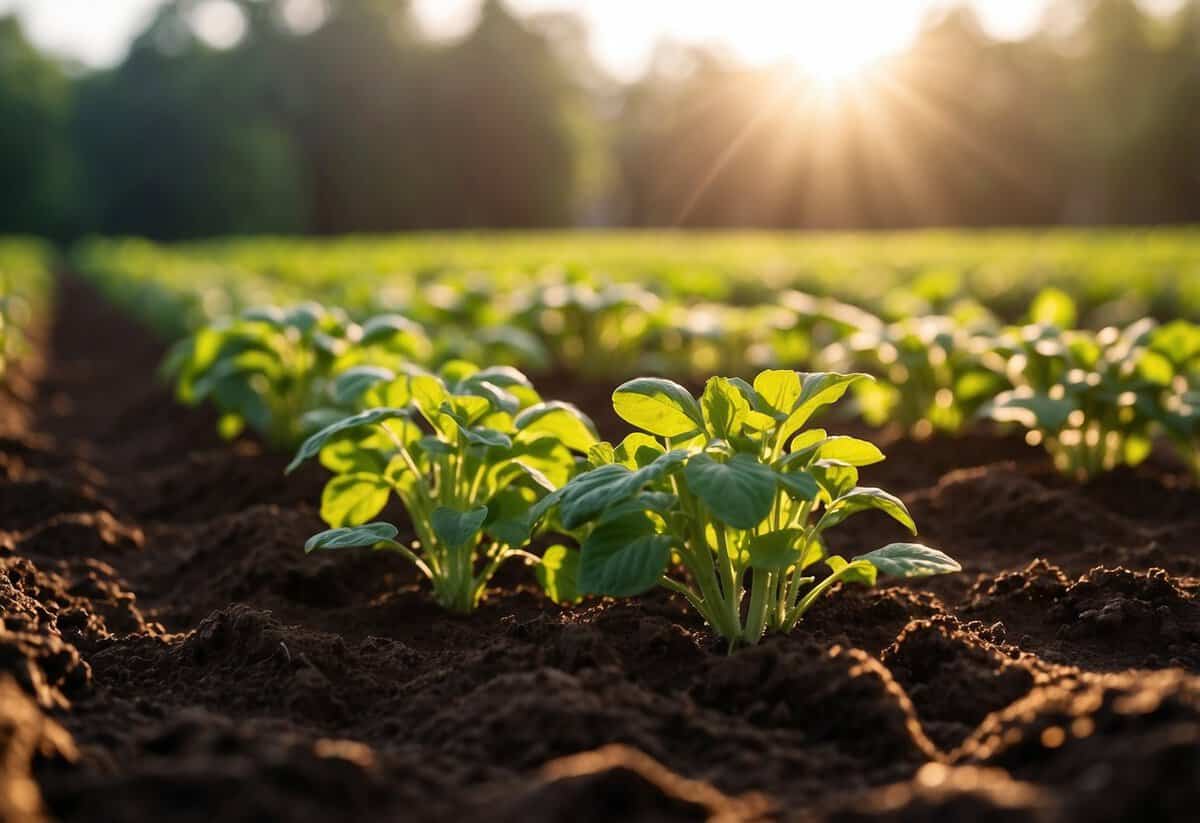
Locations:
(501, 111)
(334, 116)
(174, 143)
(36, 163)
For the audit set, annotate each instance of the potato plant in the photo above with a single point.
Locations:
(269, 367)
(588, 326)
(1171, 361)
(933, 377)
(468, 453)
(1083, 395)
(727, 499)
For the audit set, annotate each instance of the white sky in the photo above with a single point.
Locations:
(624, 32)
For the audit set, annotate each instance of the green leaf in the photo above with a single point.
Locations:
(657, 502)
(368, 534)
(601, 454)
(638, 450)
(834, 477)
(467, 409)
(623, 557)
(779, 389)
(1031, 410)
(384, 327)
(317, 419)
(353, 383)
(428, 393)
(800, 485)
(314, 444)
(1135, 449)
(814, 552)
(759, 422)
(739, 492)
(353, 499)
(506, 377)
(230, 425)
(860, 571)
(432, 444)
(483, 436)
(909, 560)
(455, 372)
(658, 406)
(862, 499)
(1053, 307)
(304, 316)
(775, 551)
(1156, 367)
(541, 508)
(508, 515)
(849, 450)
(566, 422)
(1179, 341)
(457, 529)
(590, 493)
(349, 455)
(724, 408)
(271, 315)
(497, 397)
(818, 389)
(558, 574)
(808, 441)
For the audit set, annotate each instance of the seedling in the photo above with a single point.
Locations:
(932, 377)
(468, 453)
(1171, 361)
(1082, 395)
(588, 327)
(740, 494)
(268, 367)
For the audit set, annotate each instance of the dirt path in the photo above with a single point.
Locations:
(194, 664)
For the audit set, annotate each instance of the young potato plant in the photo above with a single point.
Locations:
(813, 324)
(933, 377)
(1171, 361)
(589, 327)
(1083, 395)
(269, 367)
(740, 493)
(469, 453)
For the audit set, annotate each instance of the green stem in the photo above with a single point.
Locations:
(499, 554)
(680, 588)
(714, 607)
(400, 548)
(756, 620)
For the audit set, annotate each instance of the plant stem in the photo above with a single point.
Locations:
(756, 620)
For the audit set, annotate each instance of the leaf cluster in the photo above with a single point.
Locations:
(468, 452)
(736, 490)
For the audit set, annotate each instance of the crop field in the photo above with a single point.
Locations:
(592, 526)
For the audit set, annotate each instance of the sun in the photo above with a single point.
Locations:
(832, 46)
(837, 63)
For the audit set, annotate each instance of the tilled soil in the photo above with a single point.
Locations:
(168, 652)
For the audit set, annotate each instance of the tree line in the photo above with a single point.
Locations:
(363, 124)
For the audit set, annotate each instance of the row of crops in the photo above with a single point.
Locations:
(408, 381)
(1116, 276)
(25, 285)
(926, 325)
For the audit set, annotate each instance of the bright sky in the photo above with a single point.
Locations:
(819, 32)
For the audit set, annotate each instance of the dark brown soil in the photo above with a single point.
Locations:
(168, 652)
